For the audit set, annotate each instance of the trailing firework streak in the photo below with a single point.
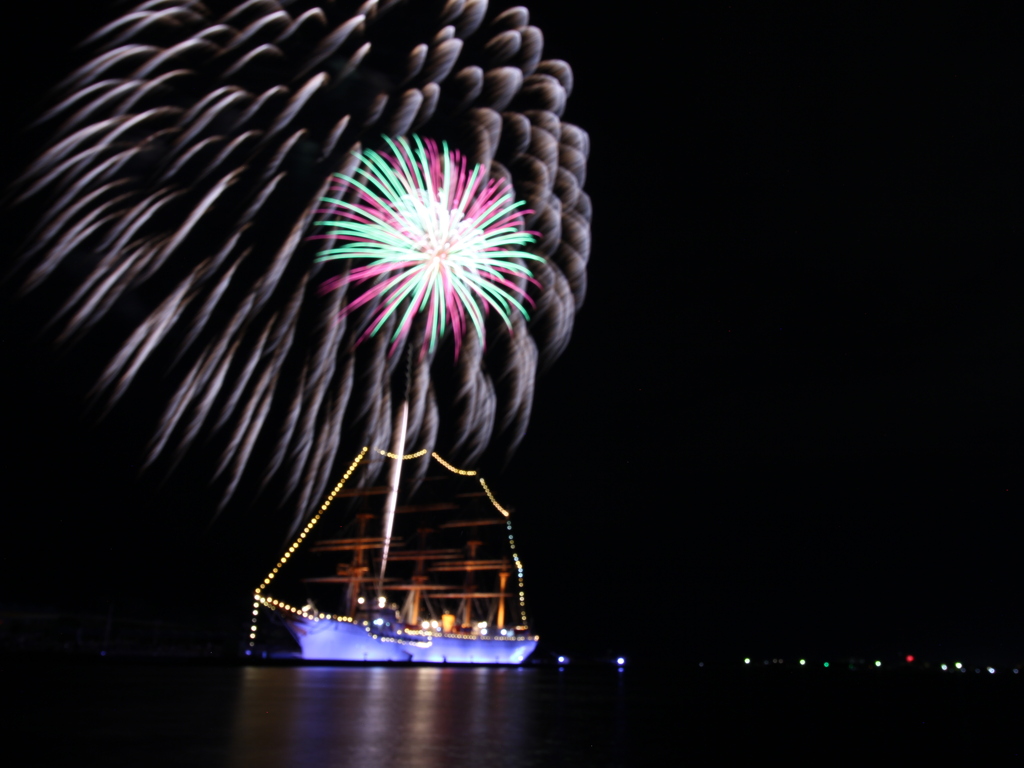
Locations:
(185, 174)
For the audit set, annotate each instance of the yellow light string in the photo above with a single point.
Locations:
(407, 457)
(294, 547)
(456, 470)
(494, 501)
(304, 611)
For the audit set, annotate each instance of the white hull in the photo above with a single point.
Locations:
(333, 640)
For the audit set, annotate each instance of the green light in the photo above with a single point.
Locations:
(826, 663)
(878, 663)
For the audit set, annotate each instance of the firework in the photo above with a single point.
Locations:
(439, 238)
(184, 177)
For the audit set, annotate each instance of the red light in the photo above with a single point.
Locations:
(909, 658)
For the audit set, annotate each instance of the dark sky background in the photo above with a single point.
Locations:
(789, 421)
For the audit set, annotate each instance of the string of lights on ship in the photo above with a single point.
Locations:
(261, 598)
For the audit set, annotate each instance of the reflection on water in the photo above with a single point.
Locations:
(150, 716)
(426, 717)
(322, 717)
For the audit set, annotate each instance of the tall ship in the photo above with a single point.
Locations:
(420, 570)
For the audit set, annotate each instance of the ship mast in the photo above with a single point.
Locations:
(358, 568)
(426, 562)
(357, 572)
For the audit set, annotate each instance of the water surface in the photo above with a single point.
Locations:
(264, 717)
(392, 716)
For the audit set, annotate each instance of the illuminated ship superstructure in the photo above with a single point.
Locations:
(446, 588)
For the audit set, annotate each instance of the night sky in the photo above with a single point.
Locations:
(789, 419)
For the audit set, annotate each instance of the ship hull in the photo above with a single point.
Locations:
(330, 640)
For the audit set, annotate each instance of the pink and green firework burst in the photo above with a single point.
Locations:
(439, 238)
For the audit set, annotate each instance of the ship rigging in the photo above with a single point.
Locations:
(447, 588)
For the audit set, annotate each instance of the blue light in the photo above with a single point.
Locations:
(620, 661)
